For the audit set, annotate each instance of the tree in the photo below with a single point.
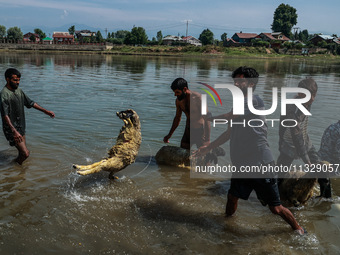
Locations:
(14, 33)
(304, 35)
(32, 38)
(224, 37)
(206, 37)
(99, 37)
(39, 32)
(285, 17)
(159, 37)
(71, 30)
(2, 31)
(136, 36)
(120, 34)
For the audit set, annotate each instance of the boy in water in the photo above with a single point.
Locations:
(189, 102)
(13, 100)
(294, 141)
(330, 147)
(249, 147)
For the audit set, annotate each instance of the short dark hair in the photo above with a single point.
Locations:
(179, 83)
(12, 71)
(249, 73)
(309, 84)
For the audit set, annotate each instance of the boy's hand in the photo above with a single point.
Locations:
(201, 151)
(50, 113)
(17, 137)
(166, 138)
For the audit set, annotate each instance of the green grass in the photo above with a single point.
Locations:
(209, 50)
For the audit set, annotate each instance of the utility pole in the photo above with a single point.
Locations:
(186, 34)
(187, 21)
(106, 32)
(296, 29)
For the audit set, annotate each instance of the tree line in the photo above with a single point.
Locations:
(284, 20)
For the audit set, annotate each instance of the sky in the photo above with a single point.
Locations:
(169, 16)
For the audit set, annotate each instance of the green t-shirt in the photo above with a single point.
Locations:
(12, 104)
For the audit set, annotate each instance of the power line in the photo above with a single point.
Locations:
(163, 26)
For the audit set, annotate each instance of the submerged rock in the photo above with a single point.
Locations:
(179, 157)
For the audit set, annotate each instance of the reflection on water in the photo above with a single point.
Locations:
(46, 208)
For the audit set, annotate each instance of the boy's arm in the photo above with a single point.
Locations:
(175, 123)
(49, 113)
(223, 138)
(337, 151)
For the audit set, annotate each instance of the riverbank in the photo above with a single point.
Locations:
(161, 50)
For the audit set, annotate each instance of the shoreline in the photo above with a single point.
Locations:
(241, 52)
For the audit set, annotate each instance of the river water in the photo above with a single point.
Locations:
(46, 208)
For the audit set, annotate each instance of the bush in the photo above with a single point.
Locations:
(260, 43)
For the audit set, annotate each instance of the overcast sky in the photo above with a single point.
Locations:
(169, 16)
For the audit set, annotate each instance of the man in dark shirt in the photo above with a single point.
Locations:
(330, 148)
(13, 100)
(249, 147)
(330, 144)
(294, 141)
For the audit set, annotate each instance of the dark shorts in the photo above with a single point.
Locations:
(10, 139)
(194, 136)
(267, 190)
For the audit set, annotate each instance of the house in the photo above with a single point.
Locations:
(28, 36)
(62, 37)
(172, 39)
(244, 38)
(230, 42)
(82, 34)
(192, 40)
(47, 40)
(276, 36)
(323, 38)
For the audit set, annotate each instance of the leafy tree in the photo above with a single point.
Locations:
(14, 33)
(2, 31)
(304, 35)
(159, 37)
(224, 37)
(206, 37)
(32, 38)
(71, 30)
(136, 36)
(338, 50)
(99, 37)
(41, 34)
(120, 34)
(285, 17)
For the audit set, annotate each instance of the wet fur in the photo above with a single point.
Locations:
(124, 152)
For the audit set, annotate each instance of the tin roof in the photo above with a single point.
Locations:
(246, 35)
(62, 35)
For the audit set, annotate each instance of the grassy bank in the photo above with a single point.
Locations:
(162, 50)
(209, 51)
(193, 51)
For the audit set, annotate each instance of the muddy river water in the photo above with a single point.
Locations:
(46, 208)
